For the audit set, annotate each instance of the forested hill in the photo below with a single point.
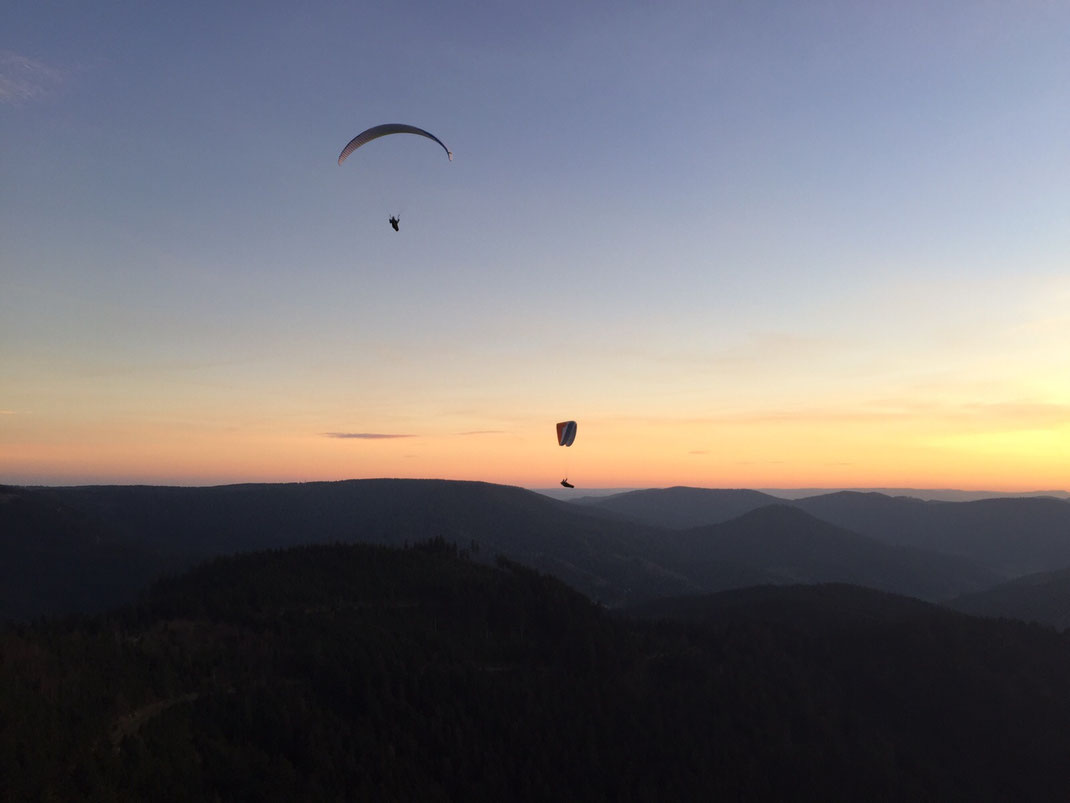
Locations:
(370, 673)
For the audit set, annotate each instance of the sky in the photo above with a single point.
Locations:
(742, 244)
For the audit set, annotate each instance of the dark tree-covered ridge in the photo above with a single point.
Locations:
(355, 672)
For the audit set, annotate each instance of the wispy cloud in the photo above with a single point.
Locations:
(365, 436)
(8, 412)
(24, 79)
(484, 432)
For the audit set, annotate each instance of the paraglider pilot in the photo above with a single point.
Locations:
(566, 483)
(394, 222)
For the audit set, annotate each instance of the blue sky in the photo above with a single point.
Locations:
(676, 223)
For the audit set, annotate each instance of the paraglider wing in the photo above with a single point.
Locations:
(381, 131)
(566, 433)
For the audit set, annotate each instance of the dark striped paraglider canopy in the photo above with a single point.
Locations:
(566, 433)
(383, 130)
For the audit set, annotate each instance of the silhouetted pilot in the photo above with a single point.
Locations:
(566, 483)
(394, 222)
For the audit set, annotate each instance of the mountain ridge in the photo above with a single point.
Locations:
(1012, 536)
(794, 546)
(606, 557)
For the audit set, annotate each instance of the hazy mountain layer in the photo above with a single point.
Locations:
(791, 546)
(681, 507)
(1042, 597)
(1012, 536)
(1015, 536)
(115, 539)
(925, 494)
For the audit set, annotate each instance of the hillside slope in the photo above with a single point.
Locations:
(1042, 597)
(358, 672)
(791, 546)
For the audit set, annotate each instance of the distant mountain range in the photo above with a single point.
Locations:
(86, 548)
(791, 546)
(1011, 536)
(681, 507)
(927, 494)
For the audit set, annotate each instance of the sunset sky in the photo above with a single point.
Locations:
(743, 244)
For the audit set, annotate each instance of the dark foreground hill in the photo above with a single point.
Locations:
(825, 607)
(368, 673)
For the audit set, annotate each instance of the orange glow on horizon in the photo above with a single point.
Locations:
(802, 453)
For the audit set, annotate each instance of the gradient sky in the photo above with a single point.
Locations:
(743, 244)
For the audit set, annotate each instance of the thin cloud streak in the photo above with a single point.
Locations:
(23, 79)
(365, 436)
